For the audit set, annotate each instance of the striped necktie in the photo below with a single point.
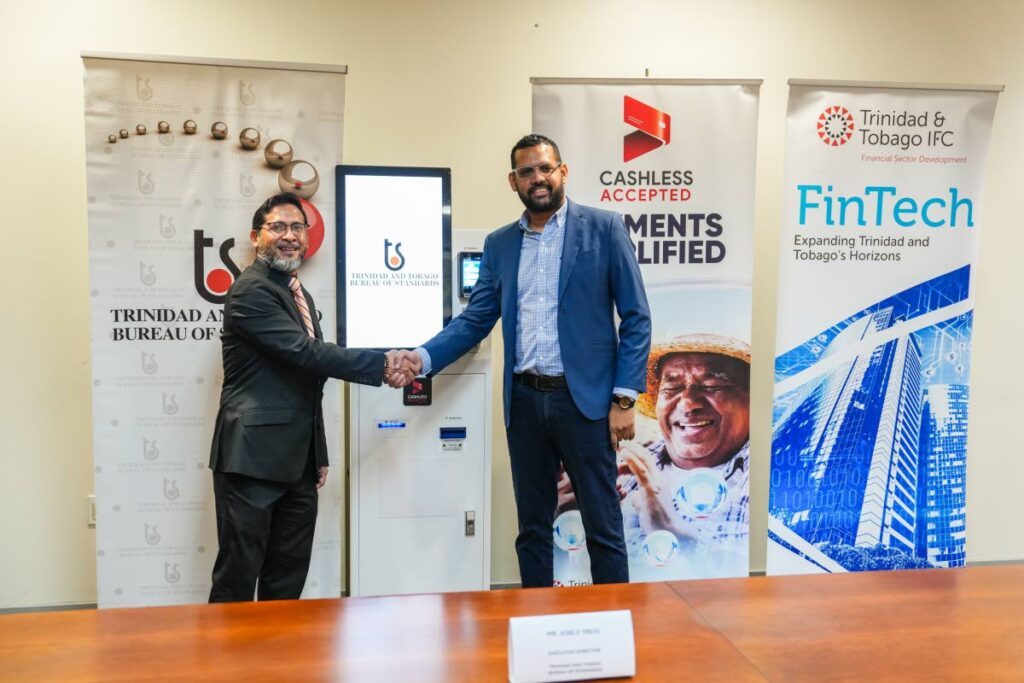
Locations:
(300, 301)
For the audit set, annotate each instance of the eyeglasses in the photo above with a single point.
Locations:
(278, 228)
(526, 172)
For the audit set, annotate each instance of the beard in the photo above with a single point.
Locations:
(552, 201)
(279, 263)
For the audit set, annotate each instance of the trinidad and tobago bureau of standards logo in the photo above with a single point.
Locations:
(653, 128)
(835, 126)
(393, 261)
(213, 284)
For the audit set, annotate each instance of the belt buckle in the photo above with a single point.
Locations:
(545, 383)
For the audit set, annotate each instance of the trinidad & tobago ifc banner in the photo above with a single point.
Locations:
(676, 159)
(882, 209)
(179, 154)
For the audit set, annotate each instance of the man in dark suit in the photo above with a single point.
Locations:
(556, 277)
(269, 453)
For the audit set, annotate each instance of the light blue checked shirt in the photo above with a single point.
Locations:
(540, 260)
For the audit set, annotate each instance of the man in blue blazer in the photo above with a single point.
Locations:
(556, 277)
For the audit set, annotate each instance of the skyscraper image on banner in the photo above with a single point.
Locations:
(870, 434)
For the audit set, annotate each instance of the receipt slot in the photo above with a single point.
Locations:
(420, 476)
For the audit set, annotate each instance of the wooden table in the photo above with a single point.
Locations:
(965, 624)
(924, 625)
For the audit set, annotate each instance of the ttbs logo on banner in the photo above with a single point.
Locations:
(143, 90)
(171, 573)
(149, 450)
(653, 128)
(245, 186)
(214, 285)
(167, 227)
(145, 182)
(245, 94)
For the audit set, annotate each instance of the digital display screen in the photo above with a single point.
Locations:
(469, 271)
(394, 271)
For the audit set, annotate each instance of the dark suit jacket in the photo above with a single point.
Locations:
(598, 275)
(270, 413)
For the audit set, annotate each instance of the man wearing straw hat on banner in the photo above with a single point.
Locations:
(693, 482)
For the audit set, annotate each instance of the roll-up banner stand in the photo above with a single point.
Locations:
(676, 159)
(180, 152)
(882, 209)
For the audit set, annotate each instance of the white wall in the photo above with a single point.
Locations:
(446, 83)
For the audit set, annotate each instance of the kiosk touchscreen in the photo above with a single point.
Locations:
(469, 272)
(394, 255)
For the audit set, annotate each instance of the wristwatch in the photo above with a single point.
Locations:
(624, 402)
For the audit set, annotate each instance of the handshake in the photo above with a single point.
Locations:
(403, 366)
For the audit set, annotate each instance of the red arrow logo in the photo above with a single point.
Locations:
(653, 128)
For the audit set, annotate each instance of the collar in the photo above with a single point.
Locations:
(557, 219)
(737, 463)
(277, 276)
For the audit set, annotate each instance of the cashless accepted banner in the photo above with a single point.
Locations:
(676, 160)
(882, 212)
(179, 154)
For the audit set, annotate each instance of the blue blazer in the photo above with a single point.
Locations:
(599, 274)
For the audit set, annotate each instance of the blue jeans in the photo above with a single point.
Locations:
(546, 428)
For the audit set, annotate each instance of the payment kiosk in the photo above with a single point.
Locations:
(419, 458)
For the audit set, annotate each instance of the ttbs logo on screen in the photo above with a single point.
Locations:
(394, 261)
(213, 285)
(653, 128)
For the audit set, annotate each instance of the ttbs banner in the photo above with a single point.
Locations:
(676, 159)
(882, 211)
(179, 155)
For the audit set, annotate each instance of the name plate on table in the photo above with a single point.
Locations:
(571, 647)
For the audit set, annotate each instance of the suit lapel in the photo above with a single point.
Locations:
(571, 245)
(511, 271)
(282, 280)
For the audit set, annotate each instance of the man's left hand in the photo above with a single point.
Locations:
(321, 478)
(566, 496)
(621, 425)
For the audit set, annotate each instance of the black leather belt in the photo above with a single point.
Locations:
(541, 382)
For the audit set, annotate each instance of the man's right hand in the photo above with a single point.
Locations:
(411, 362)
(655, 505)
(397, 376)
(403, 367)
